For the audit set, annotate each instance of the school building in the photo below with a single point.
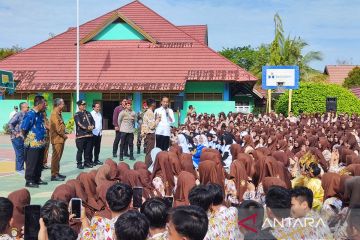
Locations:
(135, 53)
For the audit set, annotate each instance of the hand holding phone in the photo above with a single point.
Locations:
(76, 207)
(32, 225)
(137, 197)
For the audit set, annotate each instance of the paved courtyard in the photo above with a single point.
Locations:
(10, 180)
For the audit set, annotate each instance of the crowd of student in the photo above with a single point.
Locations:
(232, 176)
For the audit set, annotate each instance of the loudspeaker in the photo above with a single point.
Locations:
(331, 104)
(179, 103)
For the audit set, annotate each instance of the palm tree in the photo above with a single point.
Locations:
(289, 51)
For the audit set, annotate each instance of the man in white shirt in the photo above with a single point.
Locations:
(16, 109)
(97, 132)
(162, 132)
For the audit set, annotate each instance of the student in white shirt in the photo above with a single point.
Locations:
(162, 132)
(97, 132)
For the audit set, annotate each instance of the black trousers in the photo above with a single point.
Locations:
(127, 142)
(116, 143)
(34, 161)
(96, 147)
(162, 142)
(84, 146)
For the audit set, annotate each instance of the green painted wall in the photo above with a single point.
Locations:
(90, 98)
(119, 31)
(7, 106)
(204, 87)
(208, 107)
(245, 99)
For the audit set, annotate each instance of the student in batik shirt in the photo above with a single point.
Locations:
(156, 212)
(118, 199)
(222, 220)
(131, 225)
(301, 210)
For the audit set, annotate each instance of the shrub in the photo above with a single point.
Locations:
(311, 98)
(70, 125)
(6, 129)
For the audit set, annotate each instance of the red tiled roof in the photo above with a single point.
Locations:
(356, 91)
(176, 57)
(198, 32)
(338, 73)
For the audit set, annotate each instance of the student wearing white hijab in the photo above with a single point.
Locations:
(183, 143)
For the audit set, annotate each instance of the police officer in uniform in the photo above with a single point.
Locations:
(84, 125)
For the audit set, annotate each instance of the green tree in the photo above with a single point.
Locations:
(353, 78)
(247, 57)
(289, 51)
(6, 52)
(281, 51)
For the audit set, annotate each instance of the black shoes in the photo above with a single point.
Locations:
(88, 165)
(41, 182)
(31, 185)
(35, 184)
(62, 176)
(57, 178)
(80, 166)
(97, 163)
(132, 158)
(126, 155)
(114, 155)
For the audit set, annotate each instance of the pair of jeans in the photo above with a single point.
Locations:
(18, 145)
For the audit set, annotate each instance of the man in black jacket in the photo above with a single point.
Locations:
(84, 125)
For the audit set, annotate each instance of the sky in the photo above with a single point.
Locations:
(329, 26)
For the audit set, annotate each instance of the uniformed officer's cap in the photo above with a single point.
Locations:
(81, 102)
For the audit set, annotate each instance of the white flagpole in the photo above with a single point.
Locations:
(77, 53)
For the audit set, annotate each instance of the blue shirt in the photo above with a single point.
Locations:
(196, 156)
(35, 132)
(15, 123)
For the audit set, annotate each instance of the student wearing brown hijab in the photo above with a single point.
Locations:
(64, 193)
(88, 180)
(187, 164)
(140, 165)
(114, 172)
(104, 211)
(239, 176)
(268, 182)
(353, 169)
(185, 182)
(175, 163)
(208, 173)
(19, 199)
(162, 175)
(122, 169)
(103, 175)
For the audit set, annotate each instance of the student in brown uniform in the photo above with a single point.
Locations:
(57, 137)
